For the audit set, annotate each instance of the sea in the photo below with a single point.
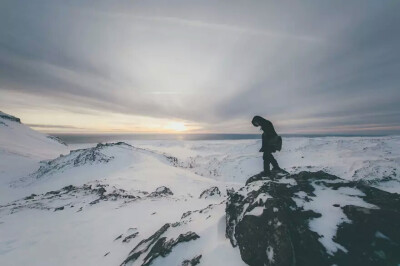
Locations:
(102, 138)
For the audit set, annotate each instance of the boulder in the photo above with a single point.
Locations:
(313, 218)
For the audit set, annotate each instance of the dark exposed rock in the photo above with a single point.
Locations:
(130, 237)
(173, 160)
(156, 245)
(118, 237)
(10, 117)
(56, 192)
(163, 246)
(192, 262)
(186, 214)
(43, 201)
(59, 208)
(211, 192)
(69, 188)
(144, 245)
(105, 255)
(30, 197)
(161, 192)
(271, 227)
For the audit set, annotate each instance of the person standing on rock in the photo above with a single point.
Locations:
(271, 143)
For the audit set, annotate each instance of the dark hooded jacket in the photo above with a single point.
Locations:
(268, 135)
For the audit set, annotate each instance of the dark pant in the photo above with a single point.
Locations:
(269, 159)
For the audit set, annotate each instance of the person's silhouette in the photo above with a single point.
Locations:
(271, 142)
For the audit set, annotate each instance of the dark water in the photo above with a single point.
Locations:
(96, 138)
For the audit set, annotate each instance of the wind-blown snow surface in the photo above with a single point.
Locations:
(95, 204)
(21, 150)
(375, 160)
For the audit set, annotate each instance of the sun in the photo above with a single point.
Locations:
(177, 126)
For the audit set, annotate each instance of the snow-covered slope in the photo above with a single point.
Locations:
(374, 160)
(21, 150)
(150, 202)
(17, 138)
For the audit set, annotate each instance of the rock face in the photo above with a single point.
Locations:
(193, 262)
(314, 219)
(210, 193)
(9, 117)
(156, 246)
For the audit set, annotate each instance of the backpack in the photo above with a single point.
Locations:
(275, 143)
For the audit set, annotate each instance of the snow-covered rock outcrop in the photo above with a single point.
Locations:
(212, 192)
(313, 218)
(81, 157)
(161, 192)
(9, 117)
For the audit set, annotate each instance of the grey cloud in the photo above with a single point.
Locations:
(309, 65)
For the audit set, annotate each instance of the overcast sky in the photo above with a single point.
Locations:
(208, 66)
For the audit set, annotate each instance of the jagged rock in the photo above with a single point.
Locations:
(192, 262)
(163, 246)
(52, 192)
(59, 208)
(144, 245)
(161, 192)
(314, 219)
(132, 234)
(45, 201)
(10, 117)
(156, 245)
(186, 214)
(211, 192)
(30, 197)
(128, 238)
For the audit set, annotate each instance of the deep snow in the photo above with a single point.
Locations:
(33, 232)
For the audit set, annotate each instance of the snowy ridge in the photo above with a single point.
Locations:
(374, 160)
(78, 158)
(18, 139)
(21, 150)
(5, 116)
(171, 202)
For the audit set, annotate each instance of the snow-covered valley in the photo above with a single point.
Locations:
(165, 202)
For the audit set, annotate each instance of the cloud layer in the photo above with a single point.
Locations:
(330, 67)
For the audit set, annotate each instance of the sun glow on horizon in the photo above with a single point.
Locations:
(177, 126)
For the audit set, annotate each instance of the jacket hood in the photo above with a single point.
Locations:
(259, 121)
